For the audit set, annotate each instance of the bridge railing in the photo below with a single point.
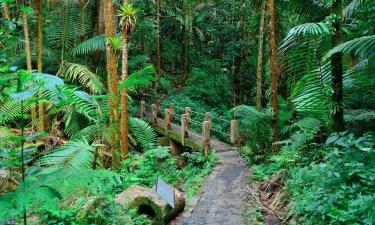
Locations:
(169, 116)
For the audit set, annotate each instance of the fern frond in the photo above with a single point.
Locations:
(143, 133)
(89, 46)
(75, 154)
(81, 74)
(363, 46)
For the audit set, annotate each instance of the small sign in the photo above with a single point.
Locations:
(166, 192)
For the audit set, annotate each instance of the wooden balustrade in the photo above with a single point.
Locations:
(184, 128)
(206, 133)
(185, 124)
(167, 120)
(154, 114)
(234, 135)
(172, 109)
(142, 110)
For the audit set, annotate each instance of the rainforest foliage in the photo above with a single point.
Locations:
(297, 74)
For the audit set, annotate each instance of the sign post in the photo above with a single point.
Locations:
(166, 192)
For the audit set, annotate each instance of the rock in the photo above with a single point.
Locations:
(149, 202)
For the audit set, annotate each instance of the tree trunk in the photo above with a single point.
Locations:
(28, 60)
(260, 58)
(185, 42)
(99, 11)
(124, 98)
(158, 47)
(112, 79)
(273, 63)
(337, 71)
(39, 5)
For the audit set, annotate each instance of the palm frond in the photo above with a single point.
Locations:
(143, 133)
(75, 154)
(363, 46)
(81, 74)
(140, 78)
(96, 43)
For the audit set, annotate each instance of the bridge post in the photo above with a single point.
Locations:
(172, 109)
(142, 112)
(207, 117)
(167, 120)
(159, 103)
(184, 128)
(206, 133)
(234, 135)
(154, 114)
(188, 113)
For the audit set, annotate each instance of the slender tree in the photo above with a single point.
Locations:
(127, 13)
(184, 41)
(260, 57)
(337, 69)
(28, 56)
(39, 5)
(158, 45)
(273, 64)
(112, 77)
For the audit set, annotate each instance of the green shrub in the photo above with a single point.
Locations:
(340, 190)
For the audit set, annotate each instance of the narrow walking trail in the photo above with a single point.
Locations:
(223, 194)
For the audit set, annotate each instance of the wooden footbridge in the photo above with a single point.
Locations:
(178, 127)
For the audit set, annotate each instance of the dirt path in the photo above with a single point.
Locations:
(223, 194)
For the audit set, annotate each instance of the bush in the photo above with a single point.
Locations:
(341, 190)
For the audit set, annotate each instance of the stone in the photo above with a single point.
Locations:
(147, 201)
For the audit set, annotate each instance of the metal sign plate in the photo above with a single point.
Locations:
(166, 192)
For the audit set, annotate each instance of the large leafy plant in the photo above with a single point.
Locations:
(339, 190)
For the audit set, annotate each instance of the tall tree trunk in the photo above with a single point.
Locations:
(112, 79)
(185, 42)
(260, 57)
(337, 71)
(273, 62)
(124, 98)
(28, 60)
(39, 5)
(99, 11)
(158, 45)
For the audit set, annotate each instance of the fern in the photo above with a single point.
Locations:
(143, 133)
(75, 155)
(81, 74)
(363, 46)
(96, 43)
(138, 79)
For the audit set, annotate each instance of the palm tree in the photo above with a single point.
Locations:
(112, 78)
(127, 20)
(158, 48)
(39, 5)
(337, 70)
(28, 56)
(273, 64)
(260, 57)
